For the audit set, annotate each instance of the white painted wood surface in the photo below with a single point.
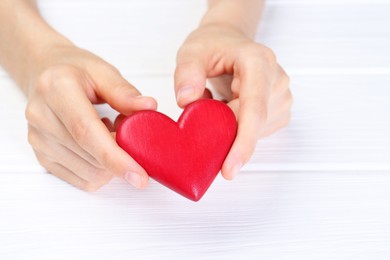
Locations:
(319, 189)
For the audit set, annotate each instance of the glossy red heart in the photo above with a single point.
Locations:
(185, 156)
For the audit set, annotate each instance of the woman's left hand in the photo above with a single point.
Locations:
(246, 73)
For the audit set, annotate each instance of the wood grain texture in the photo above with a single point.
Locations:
(285, 215)
(327, 38)
(338, 123)
(318, 189)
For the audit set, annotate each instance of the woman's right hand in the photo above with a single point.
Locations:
(64, 129)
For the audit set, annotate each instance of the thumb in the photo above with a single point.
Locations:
(190, 78)
(120, 94)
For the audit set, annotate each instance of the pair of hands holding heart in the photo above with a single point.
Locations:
(73, 143)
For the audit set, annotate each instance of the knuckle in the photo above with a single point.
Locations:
(32, 138)
(286, 80)
(43, 160)
(122, 88)
(36, 142)
(268, 54)
(259, 52)
(80, 129)
(90, 186)
(104, 179)
(99, 176)
(42, 86)
(32, 113)
(106, 159)
(281, 88)
(288, 100)
(55, 77)
(110, 68)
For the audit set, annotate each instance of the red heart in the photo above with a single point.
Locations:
(185, 156)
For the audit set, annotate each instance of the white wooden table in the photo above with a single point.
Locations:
(319, 189)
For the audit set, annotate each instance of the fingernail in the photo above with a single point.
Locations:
(234, 170)
(147, 102)
(185, 92)
(140, 97)
(134, 179)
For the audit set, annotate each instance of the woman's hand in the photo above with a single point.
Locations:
(246, 74)
(64, 129)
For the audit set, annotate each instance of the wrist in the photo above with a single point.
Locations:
(25, 38)
(226, 29)
(242, 16)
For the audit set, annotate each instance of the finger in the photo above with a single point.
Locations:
(81, 168)
(60, 154)
(83, 123)
(63, 173)
(281, 85)
(252, 116)
(272, 127)
(234, 106)
(190, 77)
(276, 118)
(279, 106)
(38, 118)
(120, 94)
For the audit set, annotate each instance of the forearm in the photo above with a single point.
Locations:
(243, 15)
(24, 37)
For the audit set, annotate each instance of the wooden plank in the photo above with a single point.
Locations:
(338, 123)
(146, 41)
(285, 215)
(336, 22)
(317, 190)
